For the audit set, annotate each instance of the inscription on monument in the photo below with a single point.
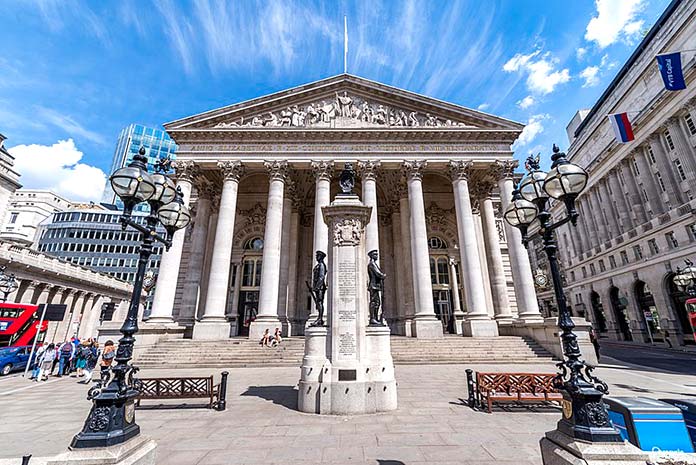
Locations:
(347, 308)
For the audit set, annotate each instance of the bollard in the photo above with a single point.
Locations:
(25, 459)
(222, 404)
(470, 387)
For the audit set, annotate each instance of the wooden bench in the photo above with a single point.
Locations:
(516, 387)
(185, 388)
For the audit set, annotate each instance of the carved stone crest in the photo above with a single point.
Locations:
(99, 419)
(347, 232)
(254, 215)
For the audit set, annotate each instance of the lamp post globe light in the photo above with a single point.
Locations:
(585, 415)
(8, 283)
(111, 420)
(685, 279)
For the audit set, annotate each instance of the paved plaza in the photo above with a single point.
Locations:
(432, 424)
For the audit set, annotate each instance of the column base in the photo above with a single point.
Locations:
(426, 328)
(458, 320)
(558, 448)
(260, 325)
(531, 317)
(211, 330)
(480, 328)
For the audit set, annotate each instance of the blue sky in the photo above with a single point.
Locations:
(73, 73)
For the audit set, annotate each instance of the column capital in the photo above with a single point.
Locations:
(460, 169)
(690, 104)
(673, 121)
(482, 189)
(453, 261)
(414, 169)
(368, 169)
(231, 170)
(322, 169)
(504, 169)
(185, 170)
(278, 170)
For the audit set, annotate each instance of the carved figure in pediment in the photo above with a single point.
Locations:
(366, 113)
(344, 104)
(256, 121)
(381, 115)
(401, 119)
(312, 114)
(298, 117)
(285, 117)
(272, 120)
(413, 120)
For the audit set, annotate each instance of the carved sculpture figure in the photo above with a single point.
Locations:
(318, 287)
(375, 286)
(344, 104)
(347, 179)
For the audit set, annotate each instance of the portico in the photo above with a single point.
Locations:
(433, 173)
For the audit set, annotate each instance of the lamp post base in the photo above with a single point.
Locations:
(110, 422)
(557, 448)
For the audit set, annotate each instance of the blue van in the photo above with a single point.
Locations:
(13, 359)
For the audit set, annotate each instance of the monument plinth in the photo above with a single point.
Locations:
(347, 367)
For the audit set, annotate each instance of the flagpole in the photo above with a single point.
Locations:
(345, 44)
(676, 51)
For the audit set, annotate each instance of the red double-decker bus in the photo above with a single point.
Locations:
(19, 324)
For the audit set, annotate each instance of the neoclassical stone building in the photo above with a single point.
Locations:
(257, 173)
(637, 222)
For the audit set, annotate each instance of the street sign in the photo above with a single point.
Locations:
(54, 312)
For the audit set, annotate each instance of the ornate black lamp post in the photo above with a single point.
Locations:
(585, 415)
(112, 417)
(8, 283)
(685, 279)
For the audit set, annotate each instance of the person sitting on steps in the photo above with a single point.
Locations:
(277, 338)
(265, 339)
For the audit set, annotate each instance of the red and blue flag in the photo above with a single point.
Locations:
(622, 127)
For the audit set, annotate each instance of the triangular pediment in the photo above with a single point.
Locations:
(344, 101)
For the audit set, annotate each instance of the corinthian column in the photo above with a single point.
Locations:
(477, 323)
(163, 302)
(425, 324)
(213, 324)
(408, 277)
(323, 170)
(457, 312)
(527, 305)
(683, 148)
(267, 317)
(368, 172)
(494, 257)
(285, 260)
(192, 280)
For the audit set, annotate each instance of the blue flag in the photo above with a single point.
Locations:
(671, 71)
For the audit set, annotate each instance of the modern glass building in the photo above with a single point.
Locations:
(91, 236)
(157, 144)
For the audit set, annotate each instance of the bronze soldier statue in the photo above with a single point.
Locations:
(375, 287)
(318, 287)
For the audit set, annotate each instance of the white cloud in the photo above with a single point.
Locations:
(614, 20)
(590, 75)
(533, 128)
(542, 76)
(580, 53)
(526, 102)
(57, 168)
(484, 106)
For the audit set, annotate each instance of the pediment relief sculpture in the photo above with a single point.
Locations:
(344, 110)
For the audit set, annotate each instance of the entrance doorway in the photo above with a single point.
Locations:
(598, 312)
(648, 310)
(620, 314)
(440, 280)
(250, 286)
(679, 298)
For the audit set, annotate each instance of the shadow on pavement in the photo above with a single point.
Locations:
(281, 395)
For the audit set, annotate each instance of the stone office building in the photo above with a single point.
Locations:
(256, 175)
(637, 222)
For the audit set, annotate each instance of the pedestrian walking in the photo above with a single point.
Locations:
(595, 342)
(107, 359)
(36, 362)
(90, 362)
(66, 354)
(46, 361)
(667, 341)
(83, 351)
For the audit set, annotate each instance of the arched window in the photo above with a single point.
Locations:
(436, 243)
(255, 243)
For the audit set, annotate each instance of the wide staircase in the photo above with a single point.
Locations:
(239, 352)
